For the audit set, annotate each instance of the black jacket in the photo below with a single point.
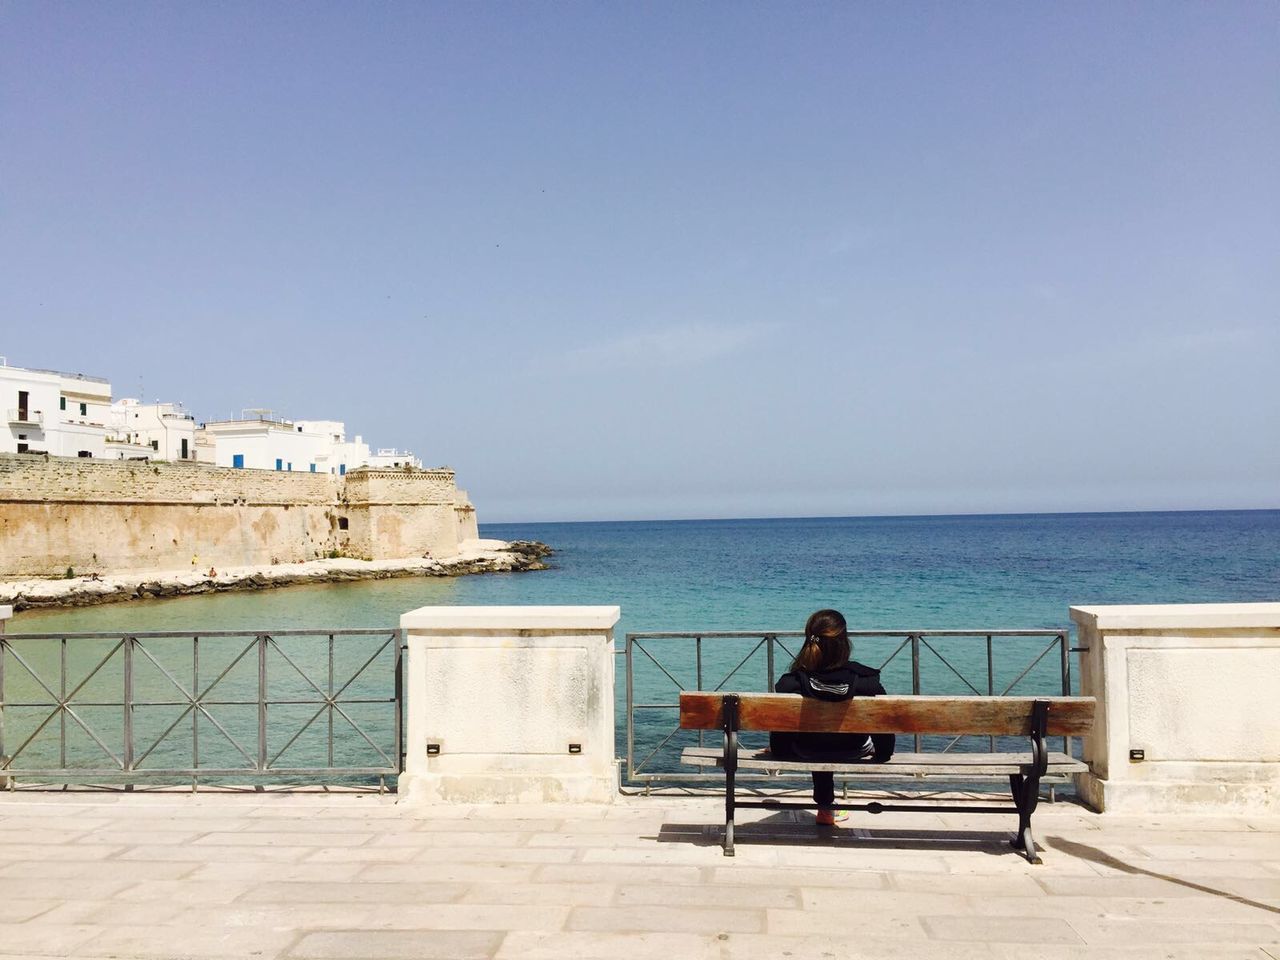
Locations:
(852, 680)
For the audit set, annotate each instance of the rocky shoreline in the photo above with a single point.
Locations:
(476, 556)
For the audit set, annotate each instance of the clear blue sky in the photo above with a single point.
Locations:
(689, 260)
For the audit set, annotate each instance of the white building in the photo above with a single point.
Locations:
(159, 431)
(389, 458)
(342, 454)
(260, 441)
(61, 414)
(71, 415)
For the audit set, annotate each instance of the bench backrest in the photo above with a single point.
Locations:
(790, 713)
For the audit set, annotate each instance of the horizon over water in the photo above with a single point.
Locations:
(887, 516)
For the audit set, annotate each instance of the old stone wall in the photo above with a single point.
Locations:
(399, 513)
(104, 517)
(42, 479)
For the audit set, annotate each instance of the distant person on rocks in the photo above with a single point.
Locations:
(823, 670)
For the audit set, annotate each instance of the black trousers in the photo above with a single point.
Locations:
(824, 788)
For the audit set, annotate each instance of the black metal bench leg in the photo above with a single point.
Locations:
(730, 719)
(728, 813)
(1026, 794)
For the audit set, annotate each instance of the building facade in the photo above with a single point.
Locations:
(59, 414)
(157, 431)
(263, 442)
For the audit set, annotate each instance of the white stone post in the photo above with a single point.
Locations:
(509, 704)
(1188, 707)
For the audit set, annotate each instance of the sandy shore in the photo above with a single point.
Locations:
(475, 556)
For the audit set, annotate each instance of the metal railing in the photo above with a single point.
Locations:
(921, 645)
(136, 716)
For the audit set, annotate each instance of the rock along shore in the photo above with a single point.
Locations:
(475, 556)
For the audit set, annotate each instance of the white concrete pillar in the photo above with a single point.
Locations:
(6, 614)
(1189, 707)
(509, 704)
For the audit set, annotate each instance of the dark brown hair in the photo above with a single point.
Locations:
(826, 642)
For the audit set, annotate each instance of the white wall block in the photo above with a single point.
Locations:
(1196, 689)
(509, 704)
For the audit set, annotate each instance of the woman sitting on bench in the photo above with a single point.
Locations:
(823, 670)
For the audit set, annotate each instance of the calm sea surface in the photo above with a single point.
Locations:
(893, 572)
(899, 573)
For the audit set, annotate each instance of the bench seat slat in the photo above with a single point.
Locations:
(938, 764)
(996, 716)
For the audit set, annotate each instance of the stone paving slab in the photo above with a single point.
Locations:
(294, 877)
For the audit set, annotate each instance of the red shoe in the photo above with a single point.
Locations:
(829, 818)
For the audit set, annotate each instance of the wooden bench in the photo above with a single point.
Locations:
(1036, 718)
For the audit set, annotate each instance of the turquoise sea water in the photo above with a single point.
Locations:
(899, 573)
(893, 572)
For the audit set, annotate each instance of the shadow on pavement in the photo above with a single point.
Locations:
(1085, 852)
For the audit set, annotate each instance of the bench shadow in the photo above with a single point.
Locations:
(781, 829)
(1085, 852)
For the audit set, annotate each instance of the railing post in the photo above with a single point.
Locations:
(1065, 657)
(697, 645)
(128, 707)
(195, 713)
(5, 613)
(770, 640)
(62, 709)
(329, 687)
(915, 674)
(631, 712)
(262, 703)
(991, 683)
(399, 695)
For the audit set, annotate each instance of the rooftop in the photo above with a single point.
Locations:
(5, 365)
(322, 875)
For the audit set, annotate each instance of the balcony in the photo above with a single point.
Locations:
(26, 418)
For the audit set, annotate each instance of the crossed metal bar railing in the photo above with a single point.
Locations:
(770, 643)
(123, 754)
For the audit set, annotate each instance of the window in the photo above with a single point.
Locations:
(84, 409)
(342, 523)
(237, 461)
(84, 454)
(342, 469)
(155, 445)
(22, 447)
(313, 468)
(279, 464)
(62, 403)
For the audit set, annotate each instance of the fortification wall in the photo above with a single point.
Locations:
(398, 513)
(111, 517)
(41, 479)
(401, 486)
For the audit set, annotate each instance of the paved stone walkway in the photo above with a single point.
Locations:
(255, 875)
